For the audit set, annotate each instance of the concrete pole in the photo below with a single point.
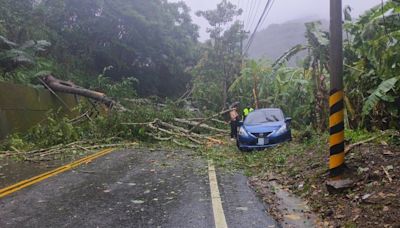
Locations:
(336, 104)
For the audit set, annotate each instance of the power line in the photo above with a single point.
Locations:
(259, 22)
(249, 16)
(247, 7)
(273, 1)
(267, 9)
(256, 13)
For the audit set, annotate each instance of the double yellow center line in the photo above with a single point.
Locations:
(23, 184)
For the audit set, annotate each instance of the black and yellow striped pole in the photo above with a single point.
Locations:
(336, 104)
(336, 130)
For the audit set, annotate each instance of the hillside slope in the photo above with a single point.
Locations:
(273, 41)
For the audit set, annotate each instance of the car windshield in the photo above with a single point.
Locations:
(264, 116)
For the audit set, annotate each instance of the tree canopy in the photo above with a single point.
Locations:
(153, 41)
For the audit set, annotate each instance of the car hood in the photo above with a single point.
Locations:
(262, 128)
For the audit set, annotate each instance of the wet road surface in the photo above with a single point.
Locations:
(134, 188)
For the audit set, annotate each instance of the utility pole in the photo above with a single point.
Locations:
(337, 165)
(242, 32)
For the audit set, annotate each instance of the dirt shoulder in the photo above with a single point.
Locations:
(301, 168)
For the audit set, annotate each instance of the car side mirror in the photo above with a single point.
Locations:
(240, 123)
(288, 120)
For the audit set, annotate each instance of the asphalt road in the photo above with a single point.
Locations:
(135, 188)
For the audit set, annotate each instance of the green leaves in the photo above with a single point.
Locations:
(316, 37)
(5, 44)
(380, 94)
(288, 54)
(372, 65)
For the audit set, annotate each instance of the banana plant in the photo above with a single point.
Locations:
(253, 76)
(372, 54)
(315, 63)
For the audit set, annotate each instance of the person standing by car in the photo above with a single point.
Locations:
(234, 121)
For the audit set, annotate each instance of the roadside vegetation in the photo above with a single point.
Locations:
(145, 55)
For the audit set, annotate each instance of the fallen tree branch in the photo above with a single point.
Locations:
(205, 126)
(191, 146)
(195, 140)
(55, 94)
(112, 145)
(136, 124)
(352, 146)
(211, 117)
(213, 120)
(387, 174)
(57, 85)
(173, 127)
(80, 118)
(159, 138)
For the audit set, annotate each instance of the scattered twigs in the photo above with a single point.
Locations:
(204, 126)
(83, 148)
(164, 131)
(352, 146)
(81, 118)
(387, 174)
(173, 127)
(195, 140)
(187, 94)
(184, 145)
(209, 118)
(138, 124)
(159, 138)
(111, 145)
(177, 132)
(53, 152)
(219, 121)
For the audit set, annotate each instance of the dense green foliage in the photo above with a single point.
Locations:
(153, 41)
(372, 61)
(56, 130)
(371, 76)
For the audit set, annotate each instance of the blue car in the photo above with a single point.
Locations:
(263, 128)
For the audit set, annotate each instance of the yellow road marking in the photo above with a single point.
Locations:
(23, 184)
(50, 172)
(219, 216)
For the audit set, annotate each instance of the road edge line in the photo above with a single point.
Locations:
(218, 210)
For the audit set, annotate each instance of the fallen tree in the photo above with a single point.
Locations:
(177, 131)
(195, 123)
(56, 85)
(163, 131)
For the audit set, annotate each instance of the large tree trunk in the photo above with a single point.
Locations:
(69, 87)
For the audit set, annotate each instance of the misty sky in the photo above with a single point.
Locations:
(282, 10)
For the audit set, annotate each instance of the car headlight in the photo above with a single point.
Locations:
(281, 130)
(243, 132)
